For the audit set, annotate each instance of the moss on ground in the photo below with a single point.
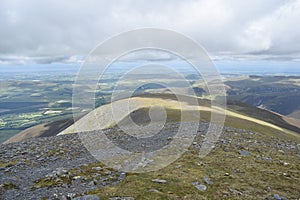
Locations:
(6, 164)
(233, 176)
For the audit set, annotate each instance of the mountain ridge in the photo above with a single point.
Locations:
(235, 109)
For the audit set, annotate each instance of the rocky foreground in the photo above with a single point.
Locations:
(51, 167)
(243, 165)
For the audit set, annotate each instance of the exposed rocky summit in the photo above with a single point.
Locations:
(242, 165)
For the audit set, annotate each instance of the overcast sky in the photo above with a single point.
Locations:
(64, 31)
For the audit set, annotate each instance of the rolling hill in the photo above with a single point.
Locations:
(256, 157)
(238, 114)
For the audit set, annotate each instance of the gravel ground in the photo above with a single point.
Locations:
(54, 167)
(53, 157)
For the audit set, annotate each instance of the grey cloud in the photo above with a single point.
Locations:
(20, 60)
(57, 31)
(148, 55)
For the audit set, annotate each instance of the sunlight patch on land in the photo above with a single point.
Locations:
(103, 117)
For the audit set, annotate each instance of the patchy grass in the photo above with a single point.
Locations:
(86, 173)
(6, 164)
(9, 186)
(233, 176)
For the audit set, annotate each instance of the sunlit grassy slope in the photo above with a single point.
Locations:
(103, 117)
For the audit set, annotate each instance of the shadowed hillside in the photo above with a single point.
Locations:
(141, 116)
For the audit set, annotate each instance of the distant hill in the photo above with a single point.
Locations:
(280, 94)
(238, 115)
(42, 130)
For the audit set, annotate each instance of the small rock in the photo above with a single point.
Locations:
(199, 186)
(40, 159)
(280, 151)
(286, 163)
(226, 174)
(207, 180)
(199, 163)
(244, 153)
(236, 171)
(277, 197)
(154, 190)
(159, 181)
(235, 191)
(76, 177)
(71, 195)
(61, 171)
(87, 197)
(97, 168)
(223, 141)
(178, 166)
(92, 183)
(267, 159)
